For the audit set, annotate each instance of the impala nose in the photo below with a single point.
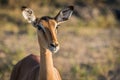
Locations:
(54, 47)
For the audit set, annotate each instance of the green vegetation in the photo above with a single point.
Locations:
(89, 41)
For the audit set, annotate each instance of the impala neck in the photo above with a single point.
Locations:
(46, 65)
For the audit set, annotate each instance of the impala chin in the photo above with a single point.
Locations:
(54, 49)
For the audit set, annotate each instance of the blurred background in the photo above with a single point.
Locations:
(90, 40)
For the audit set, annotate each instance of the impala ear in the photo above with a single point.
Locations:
(28, 14)
(64, 14)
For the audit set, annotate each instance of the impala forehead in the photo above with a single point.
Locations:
(51, 23)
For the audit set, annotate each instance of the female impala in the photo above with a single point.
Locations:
(41, 68)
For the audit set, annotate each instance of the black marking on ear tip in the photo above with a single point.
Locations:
(71, 7)
(65, 19)
(23, 8)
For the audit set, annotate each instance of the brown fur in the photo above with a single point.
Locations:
(23, 67)
(28, 66)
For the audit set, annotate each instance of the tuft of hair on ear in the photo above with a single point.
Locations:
(23, 8)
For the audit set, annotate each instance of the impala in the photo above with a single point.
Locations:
(41, 67)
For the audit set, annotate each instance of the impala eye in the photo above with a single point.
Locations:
(57, 26)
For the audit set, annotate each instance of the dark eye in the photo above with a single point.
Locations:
(57, 26)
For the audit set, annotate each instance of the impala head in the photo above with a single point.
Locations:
(47, 26)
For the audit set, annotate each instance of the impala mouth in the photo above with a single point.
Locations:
(54, 49)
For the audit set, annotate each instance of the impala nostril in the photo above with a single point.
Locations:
(53, 45)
